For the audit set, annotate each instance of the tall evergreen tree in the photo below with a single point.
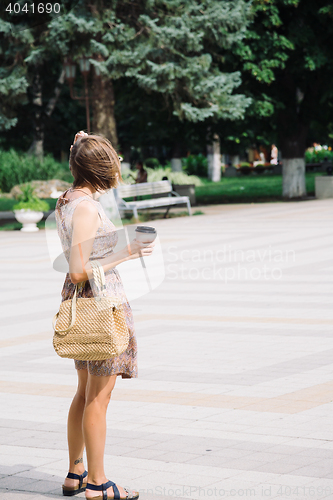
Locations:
(13, 81)
(175, 48)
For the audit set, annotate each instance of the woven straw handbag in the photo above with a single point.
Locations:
(91, 328)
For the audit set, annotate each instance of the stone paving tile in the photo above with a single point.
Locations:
(279, 467)
(145, 453)
(14, 495)
(178, 457)
(115, 450)
(16, 483)
(314, 471)
(230, 453)
(45, 487)
(271, 345)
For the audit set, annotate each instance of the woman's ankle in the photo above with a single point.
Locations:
(97, 479)
(77, 468)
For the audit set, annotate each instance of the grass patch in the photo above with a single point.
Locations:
(246, 189)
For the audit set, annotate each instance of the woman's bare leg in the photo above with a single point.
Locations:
(74, 430)
(98, 396)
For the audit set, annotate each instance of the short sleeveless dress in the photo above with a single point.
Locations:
(104, 243)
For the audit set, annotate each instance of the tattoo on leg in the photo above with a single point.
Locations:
(78, 461)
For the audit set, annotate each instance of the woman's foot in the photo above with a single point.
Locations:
(74, 483)
(112, 490)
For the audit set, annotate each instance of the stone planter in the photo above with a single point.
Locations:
(231, 171)
(29, 219)
(323, 187)
(185, 190)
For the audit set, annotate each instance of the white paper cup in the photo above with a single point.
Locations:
(146, 234)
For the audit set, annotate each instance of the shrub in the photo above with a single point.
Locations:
(196, 165)
(152, 163)
(155, 175)
(318, 156)
(29, 201)
(17, 168)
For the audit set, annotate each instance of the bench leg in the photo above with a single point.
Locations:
(135, 213)
(189, 207)
(166, 213)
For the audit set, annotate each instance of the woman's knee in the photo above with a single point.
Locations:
(101, 399)
(99, 390)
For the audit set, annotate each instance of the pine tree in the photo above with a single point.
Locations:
(13, 81)
(175, 48)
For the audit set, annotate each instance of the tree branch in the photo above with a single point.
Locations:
(57, 90)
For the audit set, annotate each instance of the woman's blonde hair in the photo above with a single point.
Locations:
(93, 160)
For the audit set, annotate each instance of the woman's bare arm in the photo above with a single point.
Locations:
(86, 221)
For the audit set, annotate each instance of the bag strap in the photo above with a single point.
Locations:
(99, 278)
(72, 318)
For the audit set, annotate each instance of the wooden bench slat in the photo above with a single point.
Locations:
(147, 188)
(144, 189)
(158, 202)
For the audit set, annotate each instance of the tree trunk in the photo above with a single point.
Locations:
(57, 91)
(214, 159)
(293, 178)
(176, 160)
(37, 146)
(293, 134)
(126, 163)
(104, 121)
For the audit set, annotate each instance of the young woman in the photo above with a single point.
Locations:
(87, 234)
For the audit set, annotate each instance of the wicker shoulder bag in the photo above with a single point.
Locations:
(91, 328)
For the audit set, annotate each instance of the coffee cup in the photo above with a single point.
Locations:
(146, 234)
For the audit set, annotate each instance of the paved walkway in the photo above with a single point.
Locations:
(235, 388)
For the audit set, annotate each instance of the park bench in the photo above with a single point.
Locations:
(149, 188)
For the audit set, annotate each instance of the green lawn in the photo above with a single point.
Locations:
(246, 189)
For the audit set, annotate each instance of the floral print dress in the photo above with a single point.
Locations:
(104, 243)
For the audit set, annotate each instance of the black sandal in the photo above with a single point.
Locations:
(68, 491)
(116, 495)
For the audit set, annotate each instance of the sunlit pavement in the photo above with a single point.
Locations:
(235, 388)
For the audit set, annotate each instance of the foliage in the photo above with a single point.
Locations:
(318, 156)
(287, 67)
(152, 162)
(17, 168)
(173, 50)
(195, 165)
(157, 174)
(29, 201)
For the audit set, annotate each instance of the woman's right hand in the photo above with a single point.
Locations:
(138, 249)
(78, 136)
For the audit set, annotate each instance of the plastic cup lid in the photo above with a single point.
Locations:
(145, 229)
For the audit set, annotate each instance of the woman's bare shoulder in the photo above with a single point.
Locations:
(85, 212)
